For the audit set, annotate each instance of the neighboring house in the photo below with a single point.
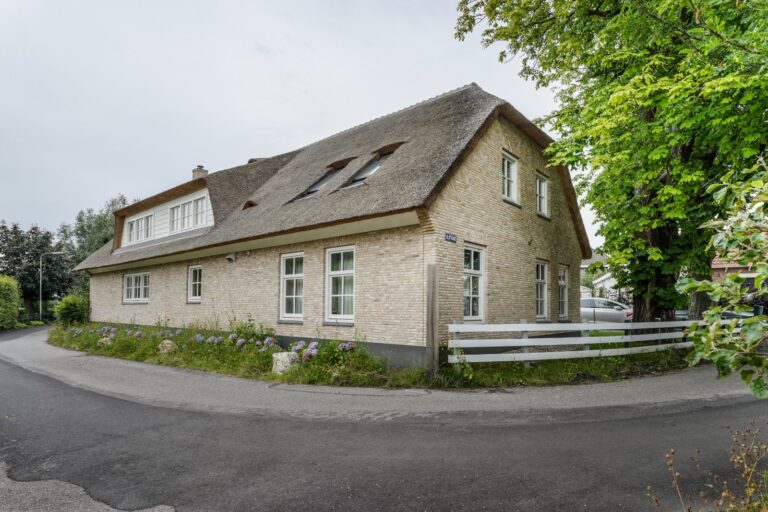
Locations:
(442, 212)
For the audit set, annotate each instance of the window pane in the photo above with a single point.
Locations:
(349, 261)
(475, 306)
(289, 287)
(467, 311)
(298, 265)
(467, 259)
(348, 306)
(335, 305)
(289, 303)
(466, 286)
(349, 285)
(336, 285)
(476, 260)
(298, 305)
(288, 266)
(299, 287)
(336, 261)
(475, 285)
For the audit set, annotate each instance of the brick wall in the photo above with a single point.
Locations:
(471, 207)
(389, 298)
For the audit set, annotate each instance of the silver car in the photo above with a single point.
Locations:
(604, 310)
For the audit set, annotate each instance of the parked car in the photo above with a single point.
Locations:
(596, 309)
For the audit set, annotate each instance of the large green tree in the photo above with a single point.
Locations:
(20, 252)
(657, 100)
(90, 231)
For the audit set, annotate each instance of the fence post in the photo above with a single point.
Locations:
(585, 334)
(432, 331)
(524, 335)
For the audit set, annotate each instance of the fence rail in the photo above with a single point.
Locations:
(521, 348)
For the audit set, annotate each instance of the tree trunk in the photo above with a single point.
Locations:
(700, 301)
(29, 304)
(647, 305)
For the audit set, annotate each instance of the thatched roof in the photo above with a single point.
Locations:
(436, 135)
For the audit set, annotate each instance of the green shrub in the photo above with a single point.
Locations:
(249, 330)
(9, 302)
(36, 323)
(73, 309)
(20, 326)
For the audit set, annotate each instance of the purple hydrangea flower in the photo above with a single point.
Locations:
(348, 345)
(211, 339)
(139, 334)
(240, 343)
(313, 345)
(258, 343)
(232, 336)
(269, 341)
(129, 332)
(199, 338)
(299, 345)
(263, 349)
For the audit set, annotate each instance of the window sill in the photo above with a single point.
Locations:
(545, 217)
(289, 321)
(194, 302)
(144, 303)
(511, 202)
(473, 320)
(339, 323)
(543, 321)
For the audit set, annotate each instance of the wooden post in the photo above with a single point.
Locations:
(432, 327)
(524, 335)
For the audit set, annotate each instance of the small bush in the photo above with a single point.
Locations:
(20, 326)
(9, 302)
(249, 330)
(73, 309)
(36, 323)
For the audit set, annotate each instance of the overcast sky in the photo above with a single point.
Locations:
(105, 97)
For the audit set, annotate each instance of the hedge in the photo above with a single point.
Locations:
(73, 309)
(10, 297)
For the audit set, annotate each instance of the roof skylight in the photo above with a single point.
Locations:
(369, 170)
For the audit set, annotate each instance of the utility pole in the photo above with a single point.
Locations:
(40, 303)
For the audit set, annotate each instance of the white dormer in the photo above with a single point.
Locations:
(186, 213)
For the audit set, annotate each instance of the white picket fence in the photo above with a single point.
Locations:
(668, 335)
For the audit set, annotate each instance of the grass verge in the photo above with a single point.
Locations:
(247, 351)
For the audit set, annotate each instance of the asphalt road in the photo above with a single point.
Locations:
(134, 456)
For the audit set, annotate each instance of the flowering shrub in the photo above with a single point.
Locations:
(305, 351)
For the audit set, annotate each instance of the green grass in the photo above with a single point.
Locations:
(333, 366)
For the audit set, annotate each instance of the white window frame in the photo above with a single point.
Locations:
(542, 195)
(330, 274)
(563, 284)
(191, 297)
(187, 215)
(136, 288)
(140, 229)
(510, 178)
(284, 278)
(470, 273)
(542, 289)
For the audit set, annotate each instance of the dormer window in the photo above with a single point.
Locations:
(369, 170)
(333, 170)
(188, 215)
(319, 184)
(139, 230)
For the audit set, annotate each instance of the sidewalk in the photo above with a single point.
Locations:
(193, 390)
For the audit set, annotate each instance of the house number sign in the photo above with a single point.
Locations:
(451, 238)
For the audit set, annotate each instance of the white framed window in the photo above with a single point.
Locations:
(200, 211)
(136, 287)
(195, 283)
(542, 195)
(340, 286)
(139, 229)
(188, 215)
(175, 219)
(542, 269)
(562, 292)
(292, 286)
(474, 265)
(509, 179)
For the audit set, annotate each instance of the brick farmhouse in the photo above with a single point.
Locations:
(445, 211)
